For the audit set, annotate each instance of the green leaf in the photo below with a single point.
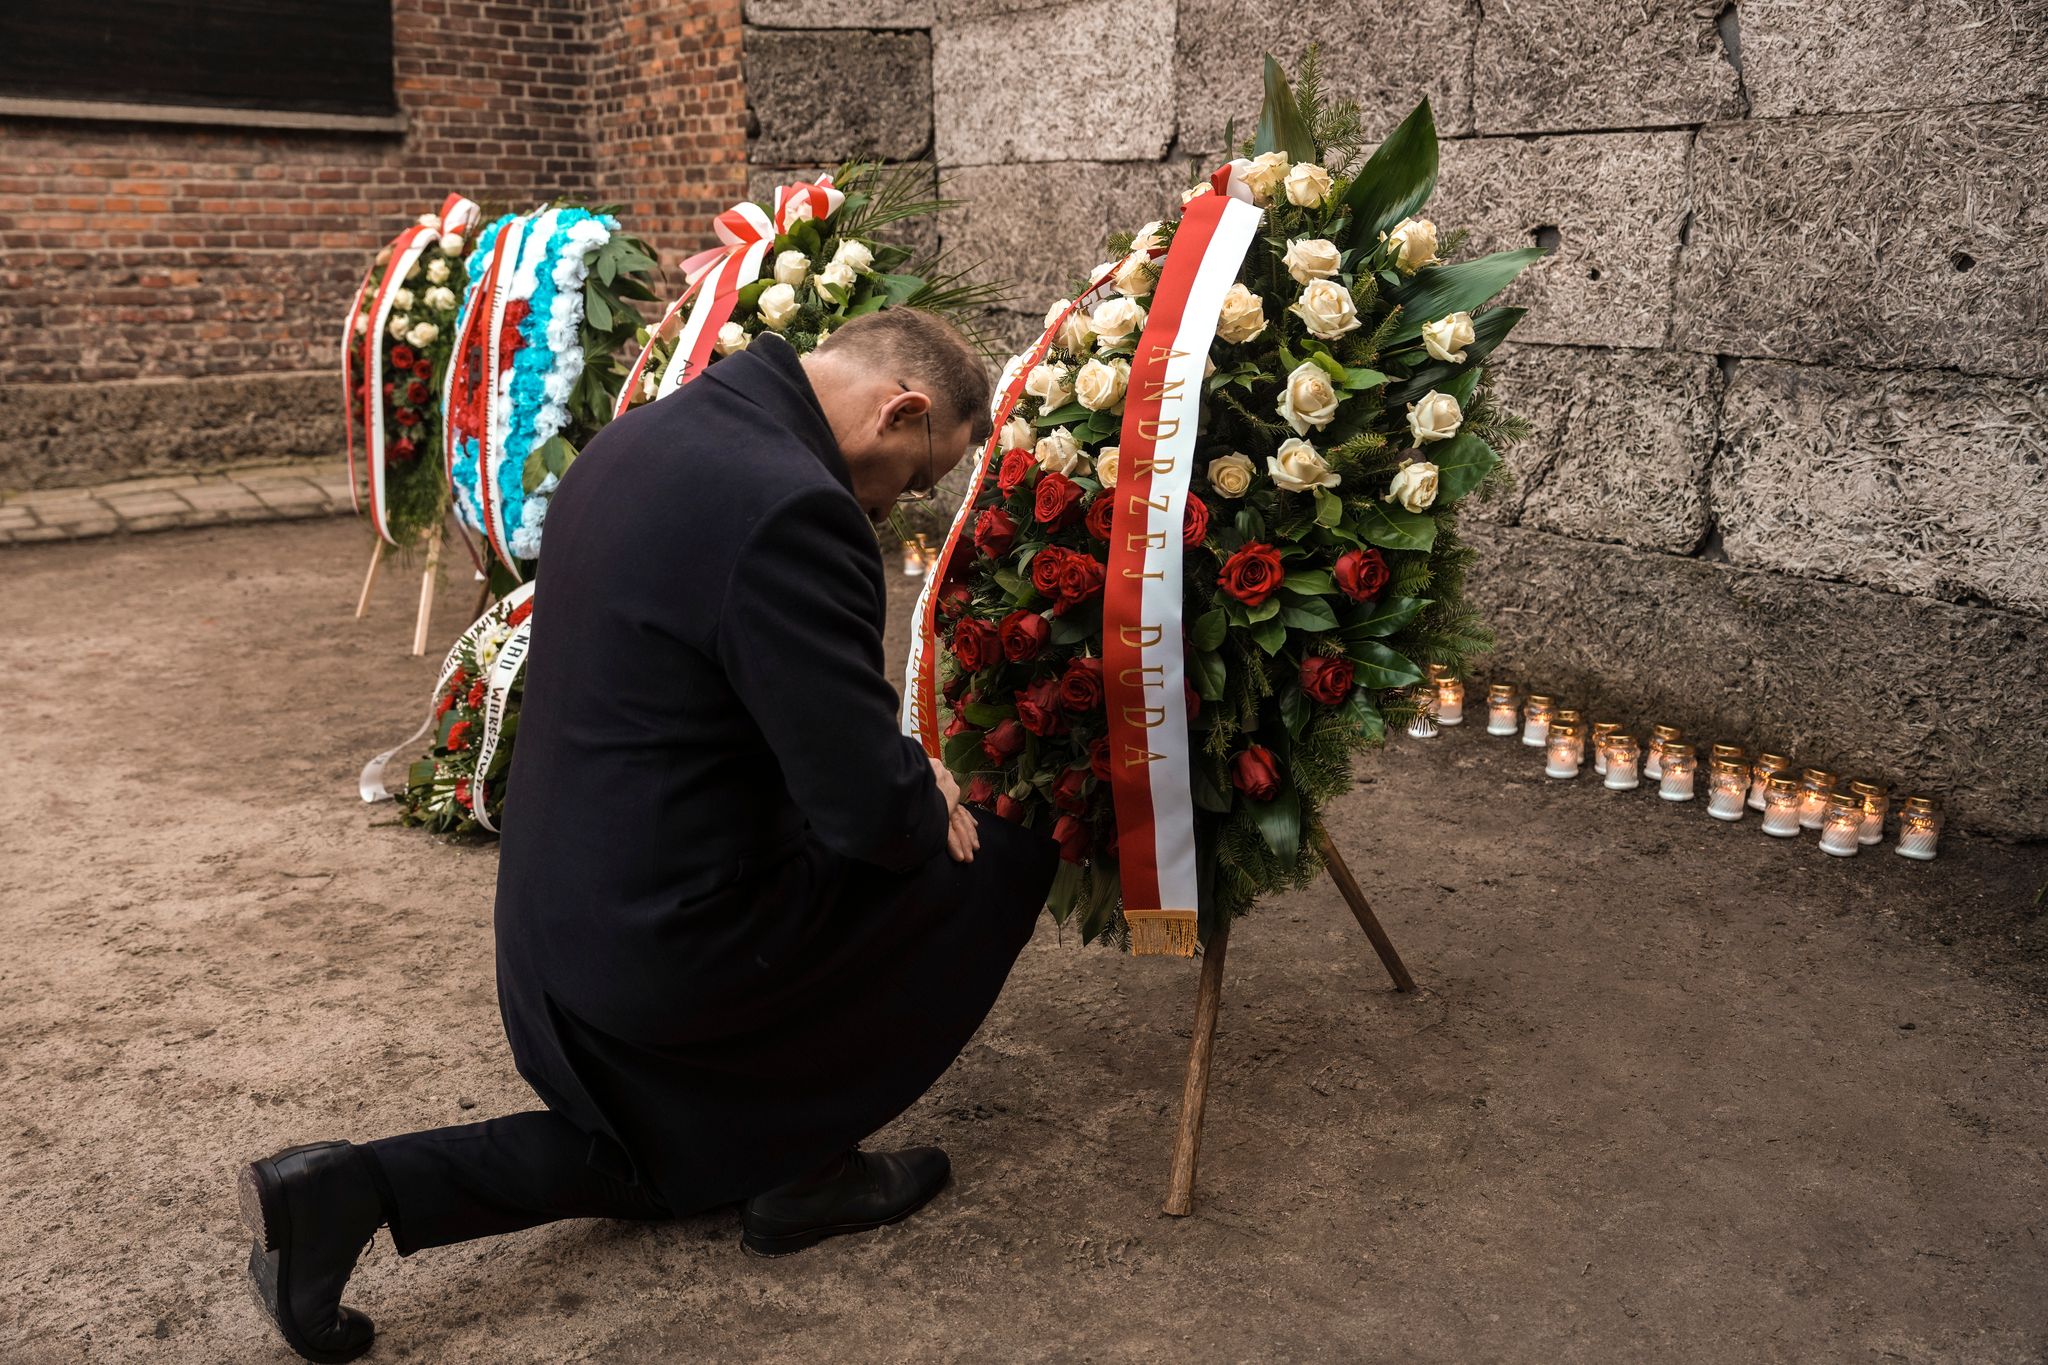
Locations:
(1265, 611)
(1380, 668)
(986, 714)
(1066, 884)
(1328, 364)
(1461, 463)
(1329, 508)
(1489, 329)
(960, 752)
(607, 265)
(1294, 709)
(1205, 670)
(1361, 715)
(1395, 528)
(631, 261)
(1209, 629)
(1397, 180)
(1067, 416)
(534, 470)
(1104, 886)
(1309, 582)
(1440, 290)
(1270, 635)
(1383, 617)
(1279, 820)
(899, 288)
(1281, 127)
(1016, 586)
(1308, 613)
(1209, 794)
(1462, 386)
(1075, 627)
(1362, 379)
(557, 454)
(749, 297)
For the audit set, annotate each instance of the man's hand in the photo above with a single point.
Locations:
(962, 838)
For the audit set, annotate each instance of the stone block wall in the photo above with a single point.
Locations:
(138, 257)
(1787, 359)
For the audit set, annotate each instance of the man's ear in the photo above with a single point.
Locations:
(904, 406)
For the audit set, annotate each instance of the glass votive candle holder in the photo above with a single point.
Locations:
(1816, 785)
(1622, 757)
(1501, 711)
(1919, 829)
(1760, 776)
(1877, 800)
(1563, 752)
(1536, 717)
(913, 560)
(1841, 831)
(1423, 726)
(1781, 806)
(1679, 773)
(1450, 695)
(1733, 751)
(1727, 788)
(1653, 758)
(1601, 730)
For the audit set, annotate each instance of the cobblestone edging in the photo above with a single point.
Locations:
(171, 501)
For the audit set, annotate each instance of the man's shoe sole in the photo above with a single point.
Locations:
(268, 1219)
(789, 1243)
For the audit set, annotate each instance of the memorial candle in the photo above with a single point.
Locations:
(1876, 798)
(1601, 730)
(1536, 717)
(1653, 761)
(1562, 751)
(1781, 806)
(1841, 831)
(1679, 772)
(1450, 696)
(1727, 789)
(1919, 828)
(1423, 726)
(1621, 763)
(1500, 709)
(1816, 785)
(1767, 765)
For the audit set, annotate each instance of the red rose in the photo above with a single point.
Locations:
(417, 393)
(1361, 574)
(1073, 838)
(955, 685)
(1010, 808)
(975, 644)
(980, 791)
(1081, 577)
(1081, 686)
(1326, 680)
(1253, 773)
(423, 369)
(1070, 791)
(1100, 513)
(959, 726)
(1058, 501)
(1038, 708)
(1045, 569)
(1010, 477)
(402, 357)
(1253, 574)
(1003, 742)
(458, 735)
(1098, 759)
(1194, 528)
(994, 532)
(406, 417)
(1024, 634)
(520, 613)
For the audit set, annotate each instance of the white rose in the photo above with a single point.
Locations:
(1048, 384)
(1149, 238)
(1243, 316)
(1060, 453)
(1194, 192)
(1118, 320)
(440, 298)
(1325, 306)
(1309, 400)
(437, 271)
(854, 254)
(778, 305)
(452, 243)
(1231, 475)
(402, 300)
(1434, 417)
(1307, 184)
(362, 324)
(430, 220)
(1107, 461)
(1414, 243)
(1311, 258)
(1075, 332)
(791, 267)
(1447, 338)
(731, 337)
(1414, 485)
(1101, 383)
(398, 326)
(838, 274)
(1018, 434)
(1297, 468)
(423, 334)
(650, 384)
(1135, 277)
(1264, 175)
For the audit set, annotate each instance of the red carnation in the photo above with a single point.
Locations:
(1003, 742)
(520, 613)
(1038, 708)
(458, 735)
(402, 357)
(1081, 686)
(1009, 808)
(462, 793)
(476, 695)
(1070, 790)
(1024, 635)
(1101, 513)
(975, 644)
(1010, 477)
(1072, 836)
(1253, 574)
(1194, 527)
(1080, 578)
(1098, 759)
(954, 598)
(423, 369)
(1326, 680)
(1254, 773)
(1058, 500)
(980, 791)
(444, 706)
(403, 448)
(406, 417)
(1361, 574)
(995, 531)
(1045, 569)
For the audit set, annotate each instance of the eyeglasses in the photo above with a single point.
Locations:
(931, 462)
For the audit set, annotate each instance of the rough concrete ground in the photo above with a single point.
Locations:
(1673, 1090)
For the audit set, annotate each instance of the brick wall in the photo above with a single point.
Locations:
(1788, 357)
(137, 257)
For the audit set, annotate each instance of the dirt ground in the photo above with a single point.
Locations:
(1672, 1091)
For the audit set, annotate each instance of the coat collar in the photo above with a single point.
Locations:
(769, 375)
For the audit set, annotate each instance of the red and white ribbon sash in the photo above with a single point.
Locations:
(490, 460)
(920, 713)
(1144, 664)
(716, 276)
(511, 657)
(473, 400)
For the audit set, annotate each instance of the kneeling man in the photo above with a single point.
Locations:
(742, 922)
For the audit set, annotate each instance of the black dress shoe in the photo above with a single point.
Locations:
(312, 1210)
(869, 1190)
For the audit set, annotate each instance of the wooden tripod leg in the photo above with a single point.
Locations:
(1367, 920)
(419, 628)
(1187, 1142)
(369, 579)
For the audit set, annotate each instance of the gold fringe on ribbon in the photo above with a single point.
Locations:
(1162, 933)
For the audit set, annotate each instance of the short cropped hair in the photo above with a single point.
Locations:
(924, 348)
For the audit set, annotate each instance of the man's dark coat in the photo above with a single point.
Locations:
(730, 940)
